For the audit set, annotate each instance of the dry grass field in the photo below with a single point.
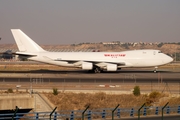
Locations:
(79, 101)
(169, 48)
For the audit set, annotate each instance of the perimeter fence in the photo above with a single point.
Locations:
(91, 114)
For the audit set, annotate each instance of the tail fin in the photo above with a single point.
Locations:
(24, 43)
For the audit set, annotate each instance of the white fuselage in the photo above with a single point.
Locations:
(135, 58)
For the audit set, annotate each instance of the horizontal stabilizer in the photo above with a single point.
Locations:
(25, 54)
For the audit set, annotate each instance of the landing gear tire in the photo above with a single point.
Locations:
(97, 70)
(155, 69)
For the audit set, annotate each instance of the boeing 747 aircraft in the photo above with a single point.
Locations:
(93, 61)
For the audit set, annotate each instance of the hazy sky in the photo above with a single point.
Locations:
(76, 21)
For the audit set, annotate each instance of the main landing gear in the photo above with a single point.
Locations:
(96, 70)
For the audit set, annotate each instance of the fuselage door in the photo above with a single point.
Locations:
(154, 52)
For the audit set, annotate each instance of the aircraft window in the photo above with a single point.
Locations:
(159, 52)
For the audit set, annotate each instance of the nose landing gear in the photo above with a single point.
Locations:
(155, 69)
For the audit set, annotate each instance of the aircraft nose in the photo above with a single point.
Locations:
(169, 59)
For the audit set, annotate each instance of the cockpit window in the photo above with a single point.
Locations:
(159, 52)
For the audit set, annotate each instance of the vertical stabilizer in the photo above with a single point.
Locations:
(24, 43)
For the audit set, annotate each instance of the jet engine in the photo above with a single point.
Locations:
(87, 66)
(111, 67)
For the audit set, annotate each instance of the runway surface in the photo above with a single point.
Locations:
(84, 76)
(82, 80)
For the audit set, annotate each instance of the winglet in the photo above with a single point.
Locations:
(24, 43)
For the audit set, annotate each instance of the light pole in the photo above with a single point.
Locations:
(179, 88)
(31, 88)
(175, 54)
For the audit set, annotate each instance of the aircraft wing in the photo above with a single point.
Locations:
(96, 63)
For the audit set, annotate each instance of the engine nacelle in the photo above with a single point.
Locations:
(87, 66)
(111, 67)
